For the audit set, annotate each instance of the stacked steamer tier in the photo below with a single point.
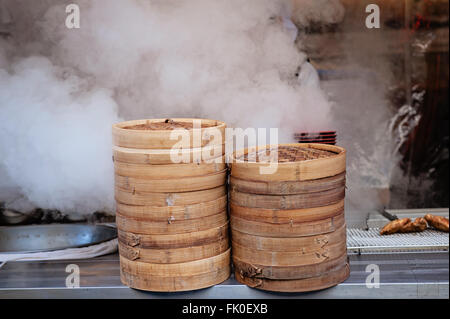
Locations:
(171, 216)
(287, 228)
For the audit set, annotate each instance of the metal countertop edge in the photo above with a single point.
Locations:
(225, 291)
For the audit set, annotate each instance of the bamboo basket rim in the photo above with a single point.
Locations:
(339, 176)
(164, 241)
(158, 210)
(166, 151)
(121, 126)
(200, 263)
(339, 151)
(176, 178)
(253, 270)
(326, 280)
(156, 222)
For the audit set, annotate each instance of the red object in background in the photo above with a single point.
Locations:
(323, 137)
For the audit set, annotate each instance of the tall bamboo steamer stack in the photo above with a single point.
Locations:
(171, 203)
(288, 229)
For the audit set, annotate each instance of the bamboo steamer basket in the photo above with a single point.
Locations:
(208, 154)
(326, 258)
(181, 226)
(177, 276)
(168, 171)
(174, 255)
(313, 228)
(168, 199)
(254, 270)
(303, 256)
(159, 133)
(169, 270)
(288, 227)
(183, 240)
(325, 280)
(297, 162)
(282, 216)
(167, 213)
(287, 188)
(308, 200)
(289, 244)
(170, 191)
(173, 185)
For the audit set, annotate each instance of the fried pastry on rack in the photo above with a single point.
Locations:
(418, 225)
(438, 222)
(405, 225)
(394, 226)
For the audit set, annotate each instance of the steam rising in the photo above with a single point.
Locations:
(55, 137)
(231, 60)
(62, 89)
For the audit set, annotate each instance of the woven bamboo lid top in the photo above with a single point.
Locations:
(166, 125)
(287, 154)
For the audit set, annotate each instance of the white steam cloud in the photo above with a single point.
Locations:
(55, 137)
(62, 89)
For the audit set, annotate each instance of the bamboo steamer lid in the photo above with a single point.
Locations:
(298, 201)
(283, 216)
(208, 153)
(170, 241)
(174, 255)
(168, 171)
(173, 185)
(172, 226)
(295, 162)
(253, 270)
(293, 229)
(168, 199)
(155, 213)
(287, 188)
(163, 133)
(176, 277)
(330, 279)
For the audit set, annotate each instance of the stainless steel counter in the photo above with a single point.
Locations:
(402, 275)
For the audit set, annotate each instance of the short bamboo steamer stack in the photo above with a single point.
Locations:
(287, 228)
(171, 210)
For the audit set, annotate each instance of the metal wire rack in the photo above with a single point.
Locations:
(370, 241)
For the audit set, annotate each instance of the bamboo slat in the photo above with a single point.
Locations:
(287, 230)
(174, 255)
(168, 199)
(170, 227)
(283, 216)
(176, 277)
(254, 270)
(168, 171)
(170, 241)
(173, 185)
(155, 213)
(298, 201)
(287, 188)
(204, 154)
(170, 270)
(287, 244)
(302, 257)
(175, 283)
(332, 278)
